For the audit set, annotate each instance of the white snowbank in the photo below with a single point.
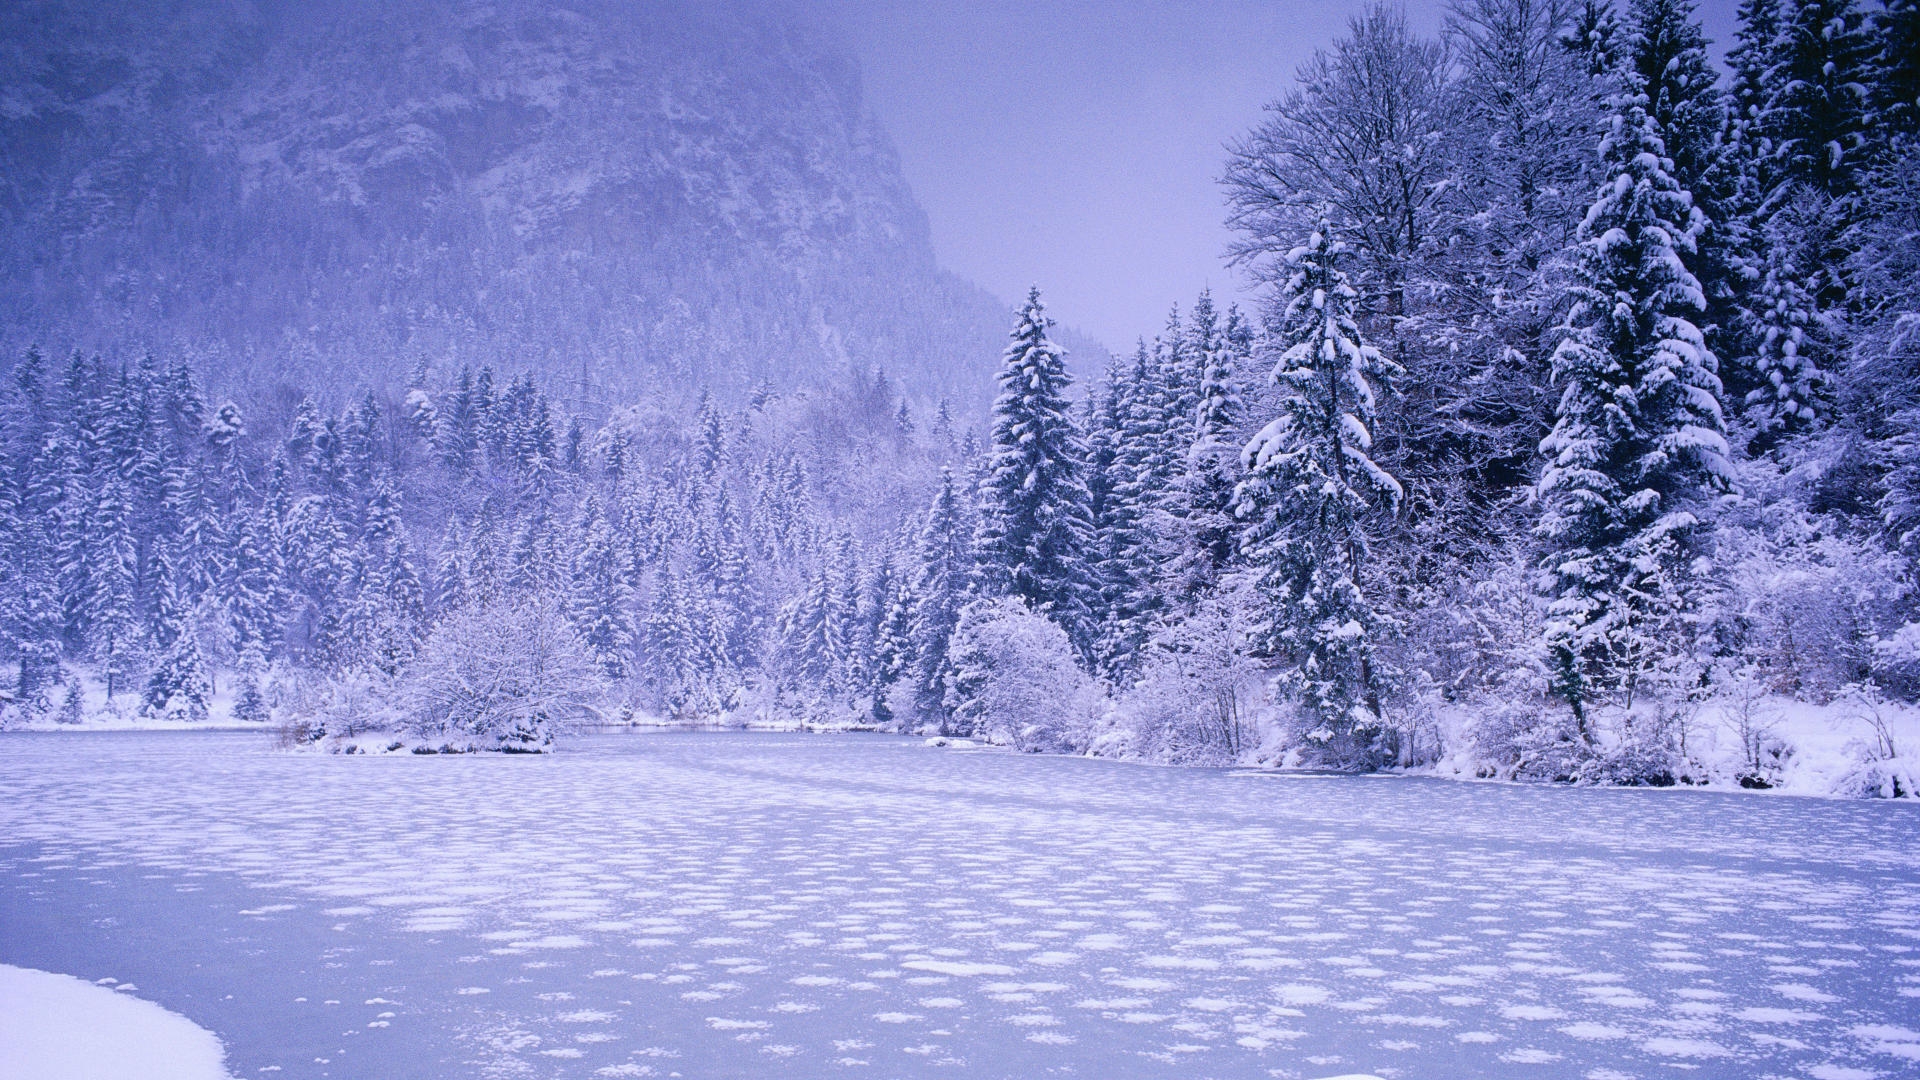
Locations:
(57, 1027)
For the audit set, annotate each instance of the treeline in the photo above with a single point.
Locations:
(1583, 391)
(1588, 397)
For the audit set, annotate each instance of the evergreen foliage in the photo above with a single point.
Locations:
(1637, 439)
(1311, 481)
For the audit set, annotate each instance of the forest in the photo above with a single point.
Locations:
(1581, 403)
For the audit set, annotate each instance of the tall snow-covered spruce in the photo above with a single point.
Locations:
(1311, 485)
(1638, 441)
(1035, 532)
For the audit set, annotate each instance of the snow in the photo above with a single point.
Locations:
(57, 1027)
(714, 904)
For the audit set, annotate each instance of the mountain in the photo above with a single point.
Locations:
(618, 195)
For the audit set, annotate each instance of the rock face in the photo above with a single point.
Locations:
(626, 193)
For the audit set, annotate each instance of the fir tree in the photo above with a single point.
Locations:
(602, 593)
(112, 586)
(1897, 66)
(1034, 527)
(1638, 433)
(1792, 345)
(1203, 490)
(939, 591)
(1819, 116)
(1310, 482)
(178, 685)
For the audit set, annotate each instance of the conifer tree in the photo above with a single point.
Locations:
(1034, 526)
(1897, 66)
(1819, 117)
(112, 586)
(946, 564)
(178, 684)
(1203, 490)
(1310, 483)
(1637, 438)
(602, 592)
(256, 590)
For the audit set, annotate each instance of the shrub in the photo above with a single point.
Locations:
(505, 675)
(1015, 680)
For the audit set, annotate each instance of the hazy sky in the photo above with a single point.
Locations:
(1077, 144)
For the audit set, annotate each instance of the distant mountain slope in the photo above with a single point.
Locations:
(628, 194)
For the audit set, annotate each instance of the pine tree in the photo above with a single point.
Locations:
(892, 651)
(1310, 483)
(1897, 66)
(1793, 345)
(1034, 526)
(1819, 117)
(1637, 437)
(112, 588)
(250, 705)
(178, 685)
(1667, 55)
(256, 593)
(1133, 435)
(601, 603)
(1212, 466)
(939, 591)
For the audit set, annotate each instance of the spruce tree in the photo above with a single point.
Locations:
(946, 564)
(1897, 66)
(1200, 500)
(1637, 438)
(111, 592)
(178, 685)
(1820, 115)
(1035, 531)
(601, 592)
(1311, 481)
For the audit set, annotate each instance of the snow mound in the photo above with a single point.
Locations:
(57, 1027)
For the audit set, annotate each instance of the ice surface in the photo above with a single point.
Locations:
(783, 905)
(56, 1027)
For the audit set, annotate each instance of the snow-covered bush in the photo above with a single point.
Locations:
(1879, 771)
(500, 676)
(250, 703)
(1199, 694)
(1803, 596)
(1015, 680)
(1754, 723)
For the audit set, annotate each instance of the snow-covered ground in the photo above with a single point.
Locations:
(56, 1027)
(786, 905)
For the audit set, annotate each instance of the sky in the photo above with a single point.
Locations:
(1077, 145)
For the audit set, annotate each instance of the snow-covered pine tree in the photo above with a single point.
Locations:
(710, 446)
(1820, 117)
(1792, 341)
(178, 685)
(256, 591)
(250, 703)
(601, 592)
(1667, 53)
(670, 638)
(1131, 484)
(1637, 439)
(112, 588)
(814, 635)
(1896, 26)
(722, 569)
(1310, 483)
(939, 591)
(1204, 490)
(1035, 531)
(893, 656)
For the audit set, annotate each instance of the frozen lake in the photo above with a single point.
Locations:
(726, 905)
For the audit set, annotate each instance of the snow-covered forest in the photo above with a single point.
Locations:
(1579, 413)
